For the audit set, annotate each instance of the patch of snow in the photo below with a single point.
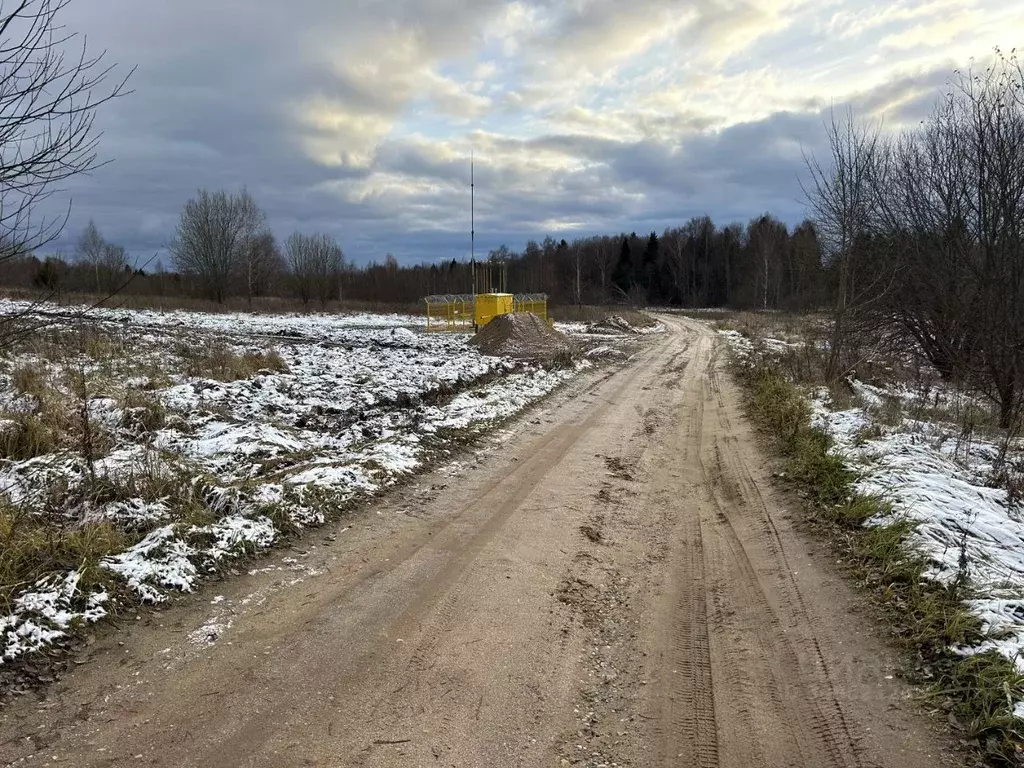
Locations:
(957, 517)
(741, 346)
(778, 345)
(161, 559)
(234, 534)
(605, 351)
(241, 439)
(45, 613)
(873, 397)
(207, 635)
(131, 514)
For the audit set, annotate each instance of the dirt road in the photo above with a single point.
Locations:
(613, 583)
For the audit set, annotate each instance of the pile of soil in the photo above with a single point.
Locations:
(522, 335)
(615, 323)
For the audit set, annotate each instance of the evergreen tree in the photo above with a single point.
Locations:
(623, 275)
(650, 269)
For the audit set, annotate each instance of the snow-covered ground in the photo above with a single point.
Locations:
(929, 475)
(193, 469)
(933, 474)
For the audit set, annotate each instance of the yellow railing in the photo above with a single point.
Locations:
(459, 312)
(532, 303)
(450, 313)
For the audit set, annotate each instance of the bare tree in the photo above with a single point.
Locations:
(89, 249)
(678, 262)
(300, 266)
(212, 236)
(986, 114)
(262, 262)
(50, 90)
(577, 260)
(90, 244)
(108, 262)
(605, 257)
(768, 238)
(804, 267)
(315, 263)
(114, 268)
(927, 235)
(843, 196)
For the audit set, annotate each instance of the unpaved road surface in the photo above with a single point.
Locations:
(613, 582)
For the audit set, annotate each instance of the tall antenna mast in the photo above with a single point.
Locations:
(472, 208)
(472, 218)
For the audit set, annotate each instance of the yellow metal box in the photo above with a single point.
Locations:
(490, 305)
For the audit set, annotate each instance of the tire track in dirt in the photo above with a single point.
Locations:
(429, 616)
(829, 721)
(686, 724)
(784, 689)
(735, 673)
(435, 613)
(820, 714)
(689, 729)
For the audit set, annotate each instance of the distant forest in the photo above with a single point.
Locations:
(762, 264)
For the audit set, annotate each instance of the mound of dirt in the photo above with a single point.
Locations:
(522, 335)
(616, 323)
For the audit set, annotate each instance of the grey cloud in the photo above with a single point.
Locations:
(907, 99)
(217, 100)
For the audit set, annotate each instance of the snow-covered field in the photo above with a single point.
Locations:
(945, 481)
(178, 441)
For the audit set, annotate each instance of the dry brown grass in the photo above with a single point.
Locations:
(787, 326)
(143, 413)
(50, 423)
(29, 379)
(54, 535)
(221, 363)
(32, 546)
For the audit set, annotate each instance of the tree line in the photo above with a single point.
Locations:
(223, 249)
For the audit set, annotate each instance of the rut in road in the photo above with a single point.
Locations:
(616, 584)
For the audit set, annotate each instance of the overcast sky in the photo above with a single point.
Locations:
(357, 117)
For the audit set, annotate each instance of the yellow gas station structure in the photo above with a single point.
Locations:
(489, 299)
(468, 312)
